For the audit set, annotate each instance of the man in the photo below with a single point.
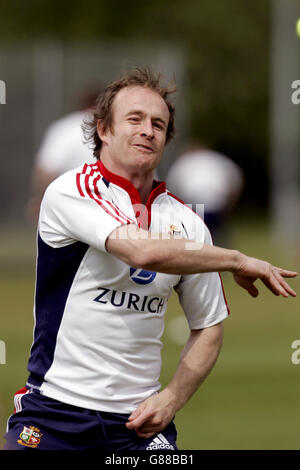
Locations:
(112, 244)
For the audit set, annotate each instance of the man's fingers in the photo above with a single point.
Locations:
(275, 282)
(148, 429)
(145, 435)
(272, 283)
(251, 288)
(247, 283)
(283, 283)
(272, 276)
(137, 422)
(253, 291)
(134, 414)
(285, 272)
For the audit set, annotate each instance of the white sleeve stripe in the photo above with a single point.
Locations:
(17, 401)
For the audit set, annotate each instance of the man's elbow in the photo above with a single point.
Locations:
(136, 253)
(213, 335)
(143, 257)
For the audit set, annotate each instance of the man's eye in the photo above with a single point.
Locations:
(134, 119)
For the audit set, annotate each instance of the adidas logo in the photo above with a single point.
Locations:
(159, 442)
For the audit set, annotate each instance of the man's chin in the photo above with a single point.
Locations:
(146, 161)
(142, 164)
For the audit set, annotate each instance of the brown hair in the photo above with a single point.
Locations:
(103, 108)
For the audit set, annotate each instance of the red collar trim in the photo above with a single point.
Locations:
(120, 181)
(159, 187)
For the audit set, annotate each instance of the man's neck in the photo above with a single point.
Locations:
(143, 183)
(141, 180)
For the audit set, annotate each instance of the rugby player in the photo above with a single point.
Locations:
(112, 245)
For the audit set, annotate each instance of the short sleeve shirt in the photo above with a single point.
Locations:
(98, 321)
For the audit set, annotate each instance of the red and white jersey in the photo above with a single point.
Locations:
(98, 321)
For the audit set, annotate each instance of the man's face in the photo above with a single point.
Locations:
(137, 136)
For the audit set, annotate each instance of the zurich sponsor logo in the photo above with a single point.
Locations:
(141, 276)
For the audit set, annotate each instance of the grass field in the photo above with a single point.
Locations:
(251, 398)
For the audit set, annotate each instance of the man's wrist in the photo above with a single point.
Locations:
(171, 397)
(176, 396)
(235, 261)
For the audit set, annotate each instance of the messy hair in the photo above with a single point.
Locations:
(102, 111)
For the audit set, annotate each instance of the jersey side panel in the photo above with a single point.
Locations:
(56, 270)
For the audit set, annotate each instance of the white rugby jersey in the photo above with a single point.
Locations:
(98, 321)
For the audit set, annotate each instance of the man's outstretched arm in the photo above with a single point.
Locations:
(142, 249)
(197, 360)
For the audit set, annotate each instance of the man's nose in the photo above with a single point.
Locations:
(147, 129)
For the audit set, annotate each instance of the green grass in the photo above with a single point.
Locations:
(251, 398)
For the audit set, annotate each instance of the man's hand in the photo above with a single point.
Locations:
(250, 269)
(153, 415)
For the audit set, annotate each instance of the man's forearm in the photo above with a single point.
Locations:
(197, 360)
(171, 256)
(181, 257)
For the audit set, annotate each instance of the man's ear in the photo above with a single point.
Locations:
(101, 132)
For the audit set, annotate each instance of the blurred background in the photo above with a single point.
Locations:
(235, 64)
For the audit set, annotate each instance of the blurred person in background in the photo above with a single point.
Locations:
(201, 176)
(112, 245)
(62, 149)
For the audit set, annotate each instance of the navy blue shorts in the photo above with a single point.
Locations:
(46, 424)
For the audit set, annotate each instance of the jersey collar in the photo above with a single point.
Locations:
(158, 188)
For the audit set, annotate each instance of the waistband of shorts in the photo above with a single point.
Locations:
(105, 414)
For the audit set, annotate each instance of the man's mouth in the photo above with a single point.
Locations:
(144, 147)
